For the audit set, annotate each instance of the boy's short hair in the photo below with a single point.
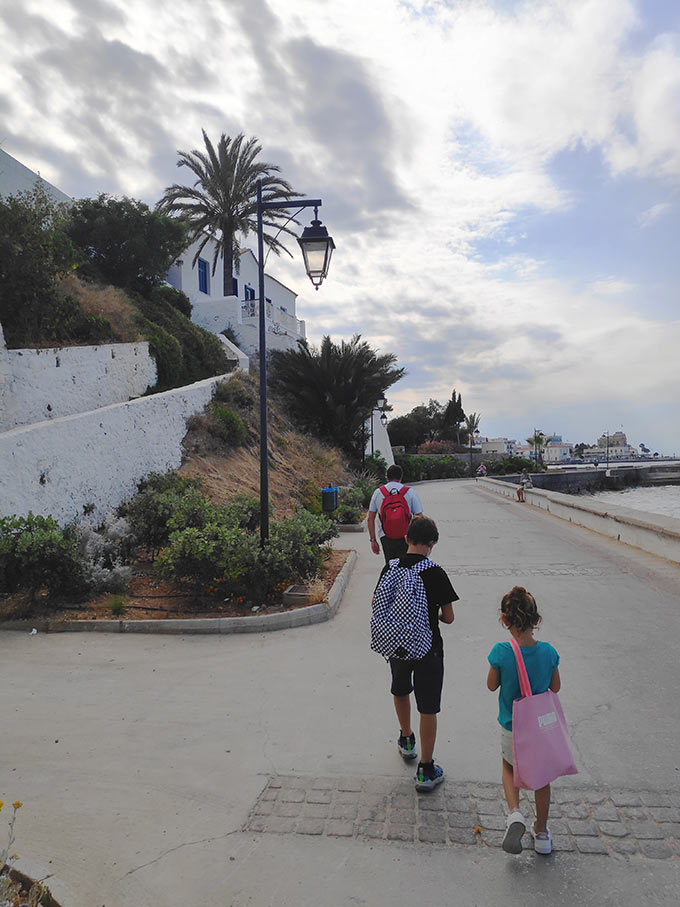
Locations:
(394, 473)
(422, 531)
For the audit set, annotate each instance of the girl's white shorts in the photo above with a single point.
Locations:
(506, 745)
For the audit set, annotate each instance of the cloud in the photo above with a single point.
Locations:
(431, 132)
(652, 215)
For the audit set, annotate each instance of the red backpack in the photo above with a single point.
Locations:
(395, 515)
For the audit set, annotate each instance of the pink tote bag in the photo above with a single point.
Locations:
(541, 750)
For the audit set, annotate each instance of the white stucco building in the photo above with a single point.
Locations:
(497, 446)
(215, 312)
(16, 178)
(557, 451)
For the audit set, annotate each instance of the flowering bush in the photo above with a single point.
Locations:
(436, 447)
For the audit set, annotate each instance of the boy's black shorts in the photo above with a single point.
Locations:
(424, 675)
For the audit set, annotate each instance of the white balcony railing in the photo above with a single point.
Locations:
(282, 322)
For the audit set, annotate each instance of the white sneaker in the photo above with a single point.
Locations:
(515, 827)
(542, 840)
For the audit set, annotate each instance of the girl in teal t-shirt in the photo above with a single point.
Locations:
(520, 615)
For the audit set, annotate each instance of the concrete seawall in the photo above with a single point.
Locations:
(656, 534)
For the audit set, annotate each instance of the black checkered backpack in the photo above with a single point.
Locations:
(400, 624)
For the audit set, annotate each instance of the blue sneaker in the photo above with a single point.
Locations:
(407, 746)
(428, 776)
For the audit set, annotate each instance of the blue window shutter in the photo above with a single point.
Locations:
(203, 276)
(234, 286)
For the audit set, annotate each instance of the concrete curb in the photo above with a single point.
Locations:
(258, 623)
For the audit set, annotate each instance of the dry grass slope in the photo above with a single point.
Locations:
(299, 465)
(106, 302)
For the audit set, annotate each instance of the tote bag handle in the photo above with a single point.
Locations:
(524, 685)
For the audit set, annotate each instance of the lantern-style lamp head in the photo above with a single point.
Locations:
(317, 247)
(381, 403)
(383, 418)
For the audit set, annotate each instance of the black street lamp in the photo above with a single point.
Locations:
(317, 248)
(476, 432)
(381, 406)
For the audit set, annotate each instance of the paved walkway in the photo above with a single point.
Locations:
(262, 769)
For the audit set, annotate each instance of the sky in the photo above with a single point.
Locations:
(501, 177)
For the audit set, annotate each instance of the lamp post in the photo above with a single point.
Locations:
(472, 434)
(607, 433)
(317, 248)
(537, 434)
(381, 406)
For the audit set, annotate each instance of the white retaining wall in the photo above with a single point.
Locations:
(46, 384)
(86, 464)
(651, 532)
(216, 314)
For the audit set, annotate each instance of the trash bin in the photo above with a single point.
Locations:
(329, 499)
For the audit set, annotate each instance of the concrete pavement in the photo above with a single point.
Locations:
(153, 768)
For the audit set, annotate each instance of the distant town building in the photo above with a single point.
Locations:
(610, 447)
(501, 446)
(557, 451)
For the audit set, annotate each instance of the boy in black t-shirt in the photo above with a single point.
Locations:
(424, 675)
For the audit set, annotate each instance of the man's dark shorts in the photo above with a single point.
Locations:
(424, 675)
(393, 548)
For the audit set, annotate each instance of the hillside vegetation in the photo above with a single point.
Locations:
(299, 464)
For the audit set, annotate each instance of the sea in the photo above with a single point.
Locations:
(661, 499)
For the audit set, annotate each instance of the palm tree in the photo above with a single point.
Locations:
(222, 203)
(471, 426)
(538, 440)
(331, 391)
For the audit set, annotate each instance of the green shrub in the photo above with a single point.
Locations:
(35, 554)
(242, 512)
(189, 509)
(162, 497)
(375, 465)
(509, 466)
(227, 425)
(238, 390)
(201, 353)
(171, 296)
(347, 515)
(231, 334)
(310, 498)
(226, 560)
(117, 606)
(350, 506)
(417, 468)
(365, 483)
(167, 352)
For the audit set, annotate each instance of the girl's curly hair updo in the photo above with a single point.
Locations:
(518, 608)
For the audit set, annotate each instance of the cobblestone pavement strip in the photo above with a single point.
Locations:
(583, 820)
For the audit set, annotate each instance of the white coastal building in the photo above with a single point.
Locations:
(16, 178)
(216, 312)
(501, 446)
(557, 451)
